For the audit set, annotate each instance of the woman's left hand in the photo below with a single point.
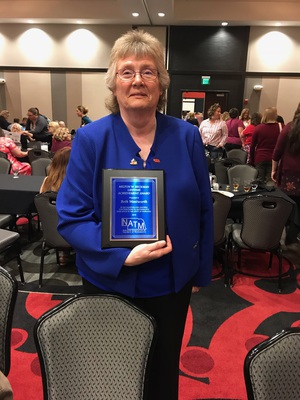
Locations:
(148, 252)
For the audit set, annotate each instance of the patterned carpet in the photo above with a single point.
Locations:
(223, 324)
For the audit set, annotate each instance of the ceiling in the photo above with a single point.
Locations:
(177, 12)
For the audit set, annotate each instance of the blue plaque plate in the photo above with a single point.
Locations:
(133, 207)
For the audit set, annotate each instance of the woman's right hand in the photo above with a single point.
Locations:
(148, 252)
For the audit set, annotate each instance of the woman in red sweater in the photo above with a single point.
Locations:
(264, 139)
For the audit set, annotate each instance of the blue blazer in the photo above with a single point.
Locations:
(178, 150)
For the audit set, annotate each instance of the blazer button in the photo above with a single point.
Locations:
(195, 245)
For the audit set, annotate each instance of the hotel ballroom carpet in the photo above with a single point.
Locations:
(222, 324)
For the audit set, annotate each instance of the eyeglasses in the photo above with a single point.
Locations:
(147, 74)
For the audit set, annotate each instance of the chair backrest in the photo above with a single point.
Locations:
(272, 368)
(242, 171)
(34, 154)
(39, 166)
(8, 295)
(46, 207)
(264, 218)
(221, 168)
(3, 155)
(4, 166)
(221, 205)
(239, 155)
(95, 346)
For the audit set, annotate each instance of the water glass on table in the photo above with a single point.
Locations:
(15, 170)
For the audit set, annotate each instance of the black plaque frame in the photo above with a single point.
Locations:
(108, 175)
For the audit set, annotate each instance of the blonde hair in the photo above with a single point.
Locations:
(15, 127)
(4, 113)
(269, 115)
(57, 170)
(61, 134)
(53, 124)
(140, 44)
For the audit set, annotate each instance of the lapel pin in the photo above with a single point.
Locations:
(133, 162)
(157, 160)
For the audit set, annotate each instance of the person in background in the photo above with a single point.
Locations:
(199, 117)
(52, 182)
(245, 117)
(52, 126)
(61, 138)
(36, 128)
(246, 135)
(192, 119)
(286, 160)
(81, 112)
(4, 123)
(158, 277)
(62, 124)
(225, 116)
(24, 122)
(235, 127)
(214, 132)
(8, 147)
(264, 139)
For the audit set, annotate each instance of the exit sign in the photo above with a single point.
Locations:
(205, 80)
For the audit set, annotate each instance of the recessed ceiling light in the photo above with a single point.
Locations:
(78, 22)
(224, 23)
(134, 14)
(30, 21)
(161, 14)
(278, 24)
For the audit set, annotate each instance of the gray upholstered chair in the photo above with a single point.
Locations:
(39, 166)
(8, 295)
(10, 248)
(238, 155)
(221, 167)
(46, 207)
(264, 219)
(35, 154)
(95, 347)
(272, 368)
(221, 207)
(4, 166)
(6, 220)
(242, 171)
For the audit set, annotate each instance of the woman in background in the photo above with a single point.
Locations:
(264, 139)
(52, 182)
(4, 124)
(12, 152)
(245, 117)
(246, 135)
(286, 160)
(81, 112)
(235, 127)
(214, 132)
(61, 138)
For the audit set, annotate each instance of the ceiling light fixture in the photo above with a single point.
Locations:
(161, 14)
(78, 22)
(30, 21)
(224, 23)
(135, 14)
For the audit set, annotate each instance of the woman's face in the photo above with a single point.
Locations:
(79, 113)
(138, 93)
(217, 114)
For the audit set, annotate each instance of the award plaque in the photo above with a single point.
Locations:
(132, 207)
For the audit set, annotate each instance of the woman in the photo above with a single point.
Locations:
(53, 181)
(61, 138)
(36, 128)
(235, 127)
(159, 276)
(245, 117)
(9, 147)
(264, 139)
(53, 125)
(81, 112)
(214, 132)
(286, 160)
(246, 135)
(4, 124)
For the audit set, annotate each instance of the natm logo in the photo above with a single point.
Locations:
(134, 225)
